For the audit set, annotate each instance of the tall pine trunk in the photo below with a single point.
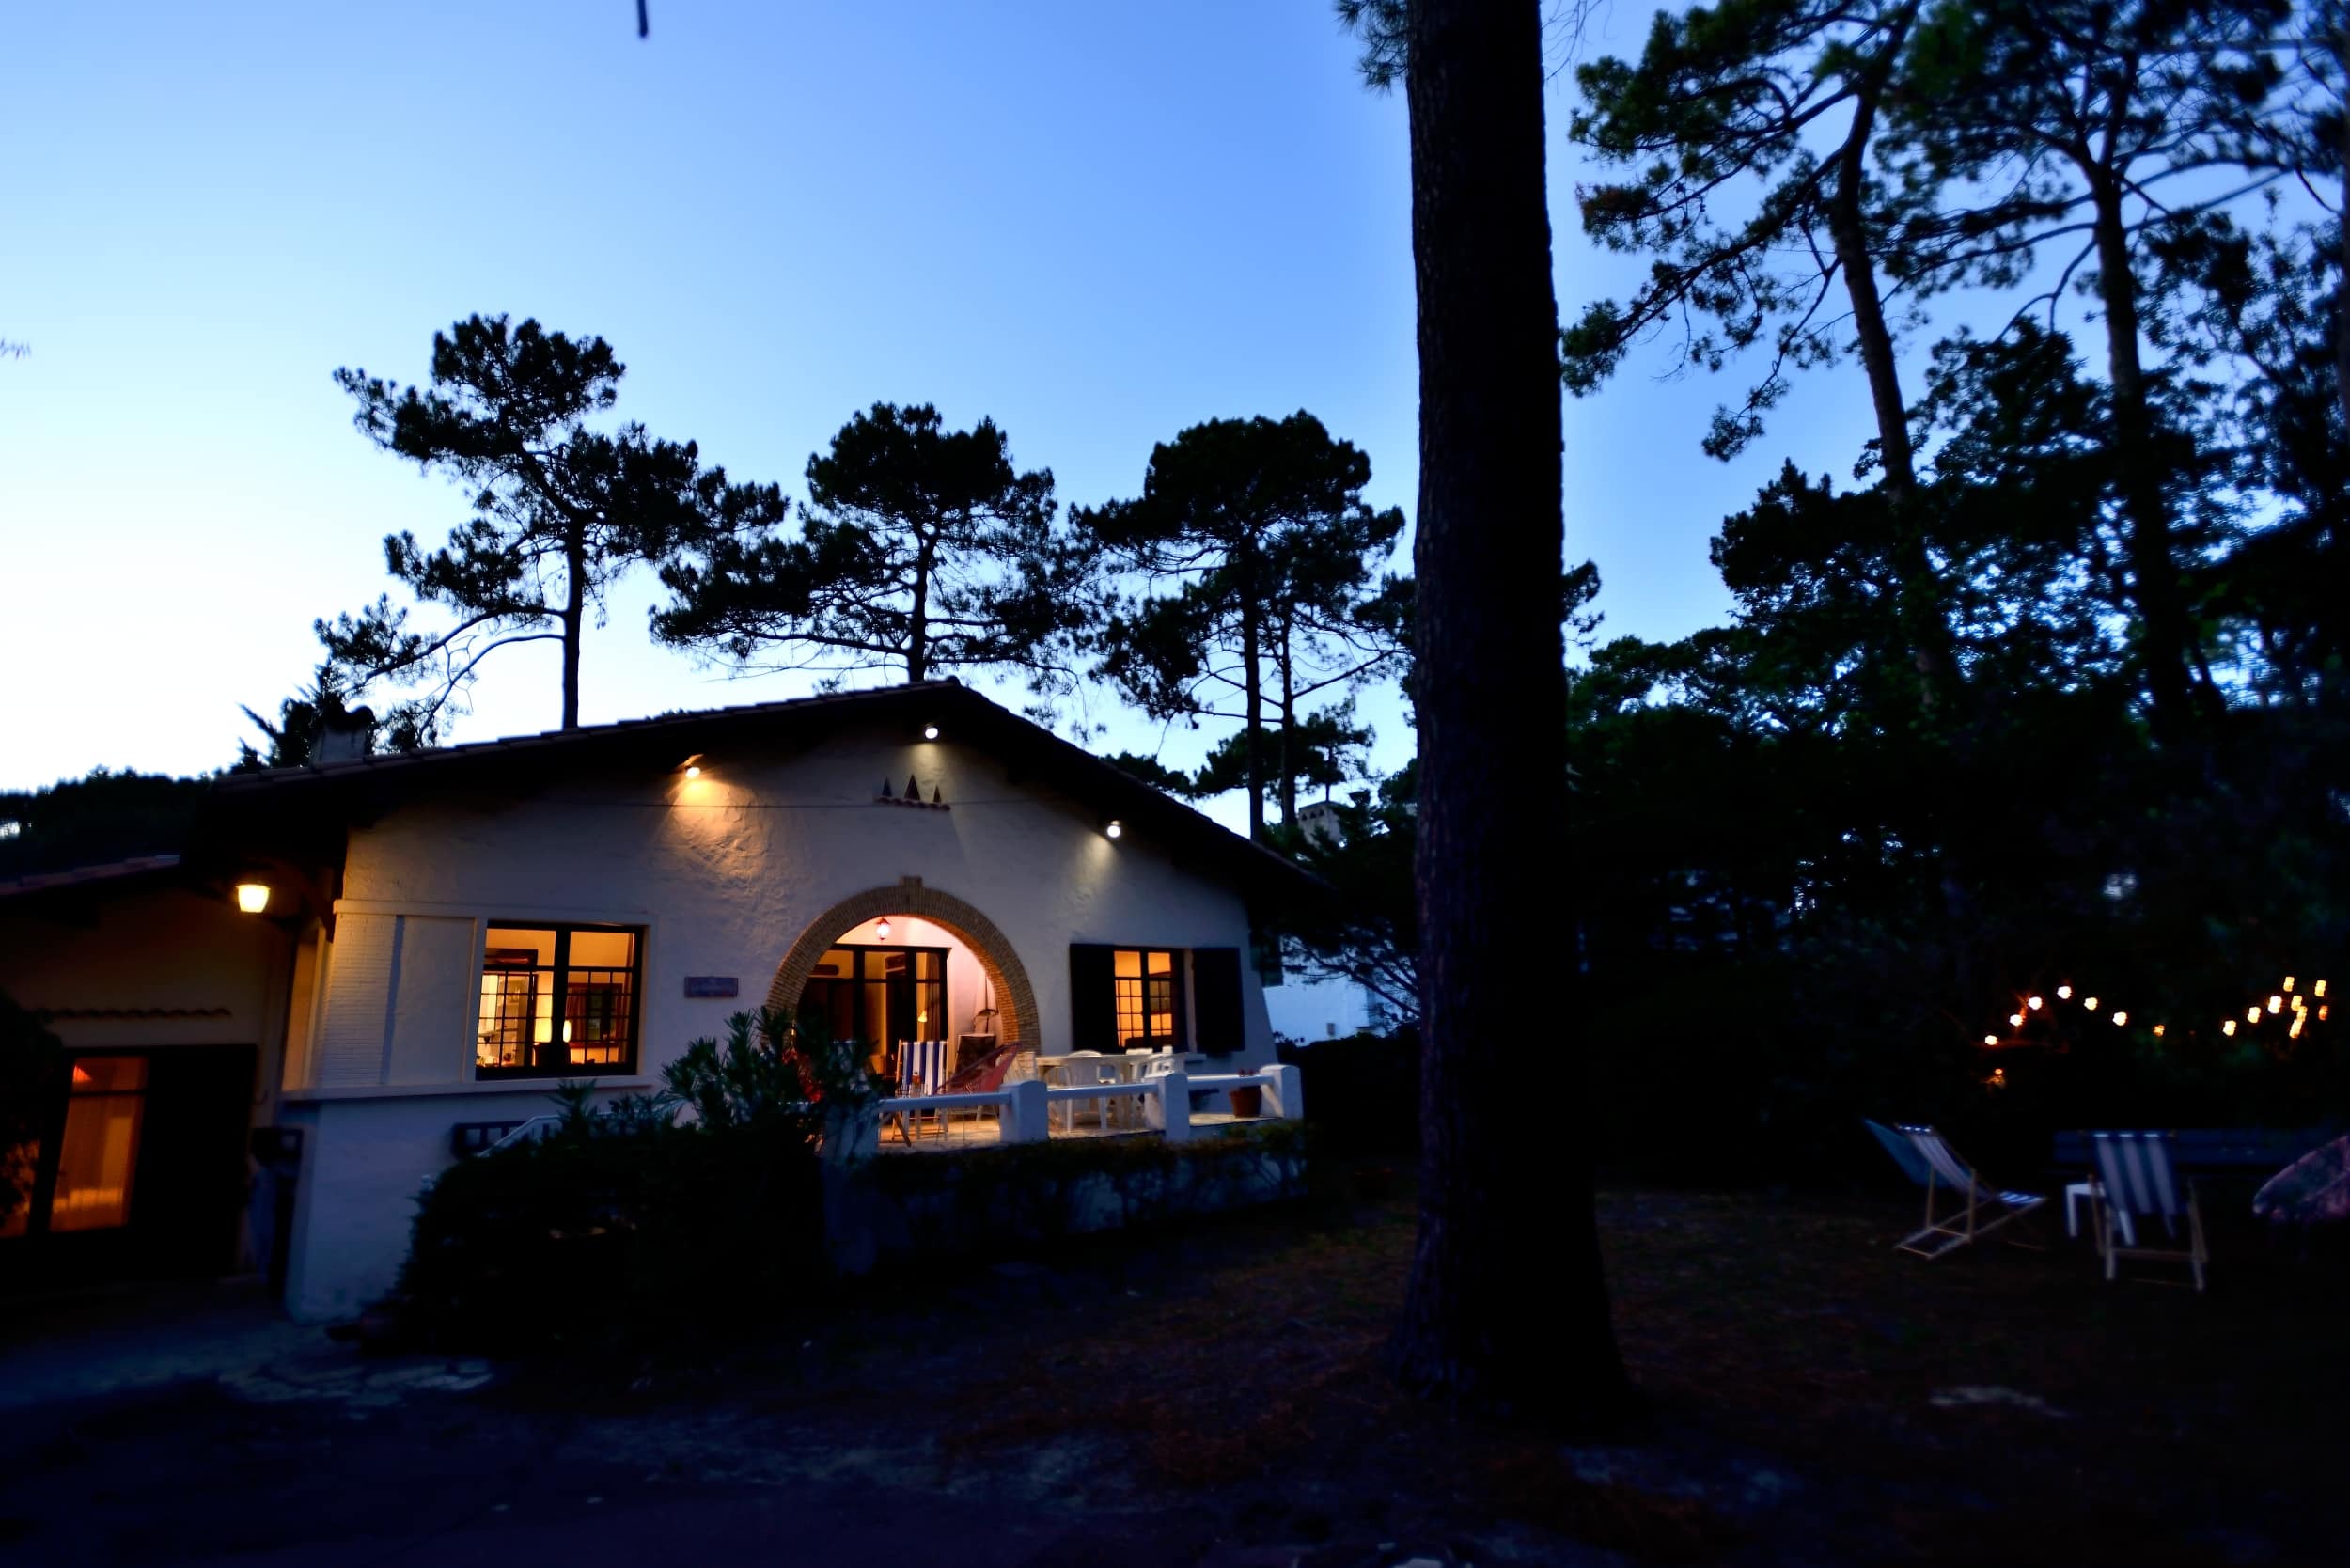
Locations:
(1252, 704)
(1287, 761)
(1919, 608)
(918, 619)
(2161, 615)
(1506, 1310)
(574, 618)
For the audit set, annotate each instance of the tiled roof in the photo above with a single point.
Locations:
(40, 881)
(976, 718)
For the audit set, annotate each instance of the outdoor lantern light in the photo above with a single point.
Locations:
(2119, 1019)
(2065, 992)
(2032, 1002)
(881, 929)
(930, 731)
(1113, 829)
(253, 897)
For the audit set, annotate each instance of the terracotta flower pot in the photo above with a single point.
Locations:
(1247, 1102)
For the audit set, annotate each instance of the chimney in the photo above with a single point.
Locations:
(1319, 821)
(344, 736)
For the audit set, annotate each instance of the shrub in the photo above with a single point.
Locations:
(629, 1222)
(1362, 1092)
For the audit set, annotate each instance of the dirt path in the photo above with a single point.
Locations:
(1213, 1396)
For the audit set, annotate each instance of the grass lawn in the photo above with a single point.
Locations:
(1213, 1395)
(1815, 1393)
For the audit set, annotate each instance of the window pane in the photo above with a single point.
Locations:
(95, 1161)
(517, 995)
(109, 1075)
(602, 950)
(1162, 963)
(1126, 964)
(838, 962)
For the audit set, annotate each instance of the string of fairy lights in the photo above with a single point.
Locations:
(2288, 1004)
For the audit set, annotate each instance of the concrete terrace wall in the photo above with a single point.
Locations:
(723, 873)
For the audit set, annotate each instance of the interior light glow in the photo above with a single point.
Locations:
(253, 897)
(2251, 1015)
(2321, 1010)
(2275, 1003)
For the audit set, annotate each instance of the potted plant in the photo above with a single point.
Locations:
(1247, 1102)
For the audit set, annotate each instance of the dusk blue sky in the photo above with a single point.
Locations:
(1097, 223)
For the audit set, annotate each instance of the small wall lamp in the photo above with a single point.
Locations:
(881, 929)
(930, 731)
(1113, 829)
(693, 766)
(253, 897)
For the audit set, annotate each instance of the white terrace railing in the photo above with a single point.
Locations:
(1026, 1110)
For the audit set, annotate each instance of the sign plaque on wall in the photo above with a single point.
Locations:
(711, 985)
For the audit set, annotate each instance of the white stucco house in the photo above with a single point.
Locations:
(446, 934)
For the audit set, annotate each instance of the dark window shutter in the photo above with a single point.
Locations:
(1093, 998)
(1215, 994)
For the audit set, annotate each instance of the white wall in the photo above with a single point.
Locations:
(164, 948)
(725, 873)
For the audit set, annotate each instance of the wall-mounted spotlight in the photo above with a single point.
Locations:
(1113, 829)
(253, 897)
(930, 731)
(692, 766)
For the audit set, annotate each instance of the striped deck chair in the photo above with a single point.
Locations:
(921, 1066)
(2139, 1183)
(1985, 1207)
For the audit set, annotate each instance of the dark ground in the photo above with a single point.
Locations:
(1213, 1396)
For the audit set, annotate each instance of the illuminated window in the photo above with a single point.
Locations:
(99, 1151)
(524, 1031)
(1149, 1002)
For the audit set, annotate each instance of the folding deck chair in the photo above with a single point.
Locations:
(2138, 1181)
(1927, 1160)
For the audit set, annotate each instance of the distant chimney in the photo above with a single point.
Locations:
(1319, 821)
(344, 736)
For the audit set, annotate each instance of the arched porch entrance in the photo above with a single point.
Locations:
(1014, 998)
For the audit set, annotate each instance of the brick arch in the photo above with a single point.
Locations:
(1015, 998)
